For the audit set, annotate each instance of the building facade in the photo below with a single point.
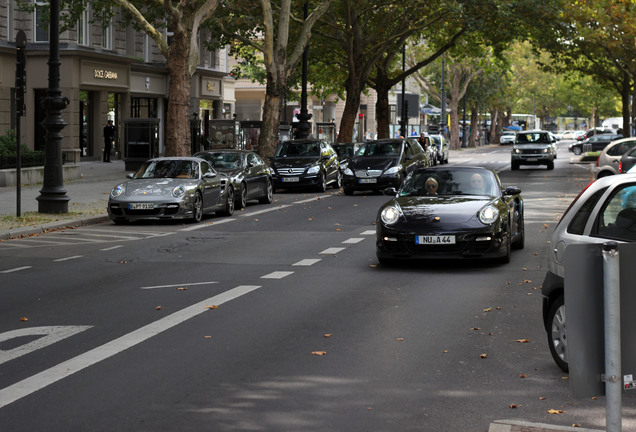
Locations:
(109, 73)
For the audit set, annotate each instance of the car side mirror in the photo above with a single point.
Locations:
(130, 175)
(390, 191)
(209, 174)
(512, 190)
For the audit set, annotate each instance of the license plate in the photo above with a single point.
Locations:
(368, 180)
(141, 206)
(291, 179)
(433, 240)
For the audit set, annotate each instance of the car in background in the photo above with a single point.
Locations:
(381, 164)
(627, 162)
(251, 176)
(443, 148)
(593, 143)
(604, 210)
(426, 142)
(535, 147)
(572, 135)
(507, 137)
(450, 212)
(609, 160)
(171, 188)
(305, 163)
(591, 132)
(345, 152)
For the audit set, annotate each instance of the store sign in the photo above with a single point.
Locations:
(105, 74)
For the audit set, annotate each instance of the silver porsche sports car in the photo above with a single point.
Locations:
(172, 188)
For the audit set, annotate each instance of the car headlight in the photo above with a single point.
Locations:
(178, 191)
(516, 151)
(315, 169)
(488, 215)
(118, 191)
(348, 172)
(390, 214)
(393, 170)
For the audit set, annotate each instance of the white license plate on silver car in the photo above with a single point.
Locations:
(141, 206)
(368, 180)
(290, 179)
(433, 240)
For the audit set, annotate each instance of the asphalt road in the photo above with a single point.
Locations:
(281, 319)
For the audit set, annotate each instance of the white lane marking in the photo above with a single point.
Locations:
(307, 262)
(179, 285)
(207, 224)
(48, 336)
(67, 258)
(353, 240)
(111, 248)
(15, 269)
(318, 198)
(368, 232)
(259, 212)
(332, 251)
(277, 275)
(45, 378)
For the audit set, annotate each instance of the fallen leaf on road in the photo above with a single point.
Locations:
(523, 340)
(399, 339)
(158, 308)
(445, 351)
(555, 411)
(512, 406)
(542, 398)
(208, 337)
(488, 309)
(523, 376)
(483, 356)
(182, 289)
(24, 319)
(576, 425)
(212, 307)
(475, 328)
(319, 353)
(327, 335)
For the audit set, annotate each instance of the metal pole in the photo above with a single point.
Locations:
(442, 115)
(53, 198)
(612, 317)
(404, 120)
(303, 127)
(20, 79)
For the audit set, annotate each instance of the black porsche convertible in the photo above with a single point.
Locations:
(450, 212)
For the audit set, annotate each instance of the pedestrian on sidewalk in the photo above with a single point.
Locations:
(109, 138)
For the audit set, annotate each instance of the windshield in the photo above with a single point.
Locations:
(533, 138)
(294, 149)
(451, 182)
(168, 169)
(223, 160)
(343, 150)
(380, 148)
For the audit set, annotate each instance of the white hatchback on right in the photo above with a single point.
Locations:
(605, 210)
(610, 157)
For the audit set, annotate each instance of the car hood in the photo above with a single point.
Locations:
(449, 209)
(538, 146)
(230, 172)
(373, 163)
(294, 162)
(155, 187)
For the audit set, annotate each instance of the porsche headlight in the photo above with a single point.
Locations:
(393, 170)
(178, 191)
(118, 191)
(390, 215)
(488, 215)
(314, 169)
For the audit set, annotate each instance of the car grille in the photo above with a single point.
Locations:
(465, 244)
(532, 151)
(168, 210)
(368, 173)
(291, 171)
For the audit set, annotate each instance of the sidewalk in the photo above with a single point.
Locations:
(88, 199)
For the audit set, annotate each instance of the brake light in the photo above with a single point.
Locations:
(597, 161)
(620, 167)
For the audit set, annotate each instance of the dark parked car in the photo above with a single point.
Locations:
(345, 152)
(306, 163)
(605, 210)
(591, 132)
(594, 143)
(628, 160)
(382, 164)
(451, 212)
(251, 176)
(172, 188)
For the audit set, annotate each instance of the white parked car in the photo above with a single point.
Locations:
(507, 137)
(610, 158)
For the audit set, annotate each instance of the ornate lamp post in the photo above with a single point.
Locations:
(53, 198)
(303, 127)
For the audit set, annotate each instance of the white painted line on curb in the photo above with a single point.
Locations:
(45, 378)
(307, 262)
(277, 275)
(15, 269)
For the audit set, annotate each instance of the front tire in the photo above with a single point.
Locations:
(269, 193)
(241, 198)
(229, 202)
(338, 183)
(577, 151)
(197, 208)
(322, 182)
(557, 334)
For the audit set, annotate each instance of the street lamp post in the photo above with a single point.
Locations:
(303, 127)
(53, 198)
(442, 120)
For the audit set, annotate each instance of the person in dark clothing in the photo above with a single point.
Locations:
(109, 137)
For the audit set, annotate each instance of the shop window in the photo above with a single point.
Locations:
(40, 22)
(143, 107)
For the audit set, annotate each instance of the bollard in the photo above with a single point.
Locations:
(612, 376)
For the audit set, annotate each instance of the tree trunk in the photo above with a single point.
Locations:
(348, 121)
(494, 119)
(268, 140)
(474, 127)
(178, 115)
(382, 113)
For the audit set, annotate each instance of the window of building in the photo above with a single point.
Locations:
(143, 107)
(83, 28)
(10, 29)
(147, 48)
(107, 37)
(41, 29)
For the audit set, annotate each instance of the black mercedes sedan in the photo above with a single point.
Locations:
(306, 163)
(382, 164)
(451, 212)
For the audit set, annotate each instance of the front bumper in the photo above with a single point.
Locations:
(118, 210)
(371, 183)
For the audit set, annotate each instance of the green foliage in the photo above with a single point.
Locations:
(8, 152)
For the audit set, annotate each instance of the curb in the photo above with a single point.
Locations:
(522, 426)
(38, 229)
